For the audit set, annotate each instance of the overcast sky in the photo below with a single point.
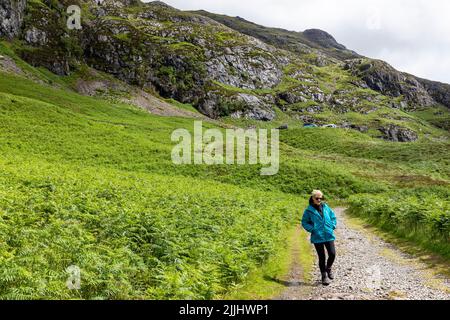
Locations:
(411, 35)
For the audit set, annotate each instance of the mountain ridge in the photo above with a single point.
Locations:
(312, 38)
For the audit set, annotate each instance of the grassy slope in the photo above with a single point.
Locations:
(91, 183)
(127, 138)
(80, 180)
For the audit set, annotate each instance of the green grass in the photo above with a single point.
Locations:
(426, 157)
(306, 256)
(132, 235)
(184, 106)
(269, 281)
(264, 282)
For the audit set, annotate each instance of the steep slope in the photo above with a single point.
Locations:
(157, 48)
(223, 71)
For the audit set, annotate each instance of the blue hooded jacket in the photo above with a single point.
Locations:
(321, 228)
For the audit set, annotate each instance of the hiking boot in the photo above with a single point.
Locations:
(330, 274)
(325, 280)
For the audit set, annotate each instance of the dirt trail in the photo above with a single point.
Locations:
(367, 267)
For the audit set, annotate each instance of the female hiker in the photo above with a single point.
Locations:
(320, 221)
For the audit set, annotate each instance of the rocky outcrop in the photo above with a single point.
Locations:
(323, 38)
(255, 108)
(380, 76)
(11, 17)
(324, 47)
(396, 133)
(190, 58)
(237, 69)
(439, 91)
(292, 97)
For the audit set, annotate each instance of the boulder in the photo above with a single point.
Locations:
(314, 109)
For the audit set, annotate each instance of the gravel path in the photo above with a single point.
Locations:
(367, 267)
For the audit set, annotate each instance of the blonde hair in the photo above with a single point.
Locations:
(316, 193)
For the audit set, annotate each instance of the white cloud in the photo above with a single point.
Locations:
(411, 35)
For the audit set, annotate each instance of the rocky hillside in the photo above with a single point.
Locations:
(378, 75)
(224, 66)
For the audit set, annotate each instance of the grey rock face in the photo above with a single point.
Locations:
(8, 65)
(208, 105)
(292, 97)
(239, 70)
(256, 108)
(398, 134)
(439, 91)
(188, 65)
(11, 17)
(196, 60)
(306, 119)
(302, 93)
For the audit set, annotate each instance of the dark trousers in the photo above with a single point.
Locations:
(320, 248)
